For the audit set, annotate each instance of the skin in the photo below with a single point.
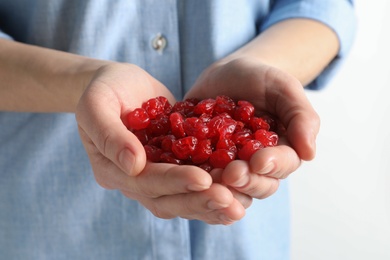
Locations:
(273, 68)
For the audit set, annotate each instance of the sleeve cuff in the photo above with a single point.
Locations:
(339, 15)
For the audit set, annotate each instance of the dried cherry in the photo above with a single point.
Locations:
(209, 133)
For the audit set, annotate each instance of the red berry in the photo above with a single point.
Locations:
(224, 104)
(257, 123)
(153, 153)
(176, 120)
(156, 141)
(184, 107)
(160, 125)
(244, 111)
(248, 149)
(202, 151)
(267, 138)
(166, 143)
(214, 126)
(205, 118)
(168, 157)
(240, 137)
(193, 101)
(220, 158)
(167, 107)
(153, 107)
(227, 129)
(193, 126)
(138, 119)
(271, 121)
(142, 136)
(205, 106)
(226, 144)
(184, 147)
(209, 133)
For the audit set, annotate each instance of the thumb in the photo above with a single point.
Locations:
(297, 115)
(106, 131)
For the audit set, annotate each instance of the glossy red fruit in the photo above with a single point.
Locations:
(205, 106)
(167, 107)
(185, 107)
(169, 157)
(267, 138)
(138, 119)
(153, 107)
(193, 126)
(226, 144)
(271, 121)
(202, 151)
(159, 126)
(209, 133)
(221, 157)
(166, 143)
(153, 153)
(142, 136)
(241, 136)
(244, 111)
(257, 123)
(155, 141)
(215, 124)
(224, 104)
(248, 149)
(227, 129)
(176, 120)
(183, 148)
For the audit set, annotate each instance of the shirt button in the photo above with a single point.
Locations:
(159, 43)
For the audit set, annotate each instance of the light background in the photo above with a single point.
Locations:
(341, 200)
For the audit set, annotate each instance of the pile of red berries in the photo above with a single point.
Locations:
(209, 133)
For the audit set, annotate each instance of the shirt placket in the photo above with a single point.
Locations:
(161, 43)
(160, 32)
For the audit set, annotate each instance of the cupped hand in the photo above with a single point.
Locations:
(118, 159)
(273, 91)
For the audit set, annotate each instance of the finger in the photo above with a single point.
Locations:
(245, 200)
(160, 179)
(156, 180)
(225, 216)
(292, 106)
(216, 175)
(102, 124)
(189, 205)
(105, 171)
(238, 176)
(302, 132)
(242, 198)
(278, 161)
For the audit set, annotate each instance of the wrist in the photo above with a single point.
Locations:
(300, 47)
(36, 79)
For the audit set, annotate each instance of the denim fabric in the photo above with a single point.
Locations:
(50, 204)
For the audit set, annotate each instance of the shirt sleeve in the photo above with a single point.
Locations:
(339, 15)
(4, 35)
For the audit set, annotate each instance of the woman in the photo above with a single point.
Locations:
(101, 59)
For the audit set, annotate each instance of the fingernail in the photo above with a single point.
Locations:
(242, 181)
(197, 187)
(267, 169)
(215, 205)
(225, 219)
(127, 160)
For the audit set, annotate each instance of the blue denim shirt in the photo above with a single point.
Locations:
(50, 204)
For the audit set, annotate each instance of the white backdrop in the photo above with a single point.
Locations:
(341, 200)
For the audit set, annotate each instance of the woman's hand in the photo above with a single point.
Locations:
(118, 159)
(272, 91)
